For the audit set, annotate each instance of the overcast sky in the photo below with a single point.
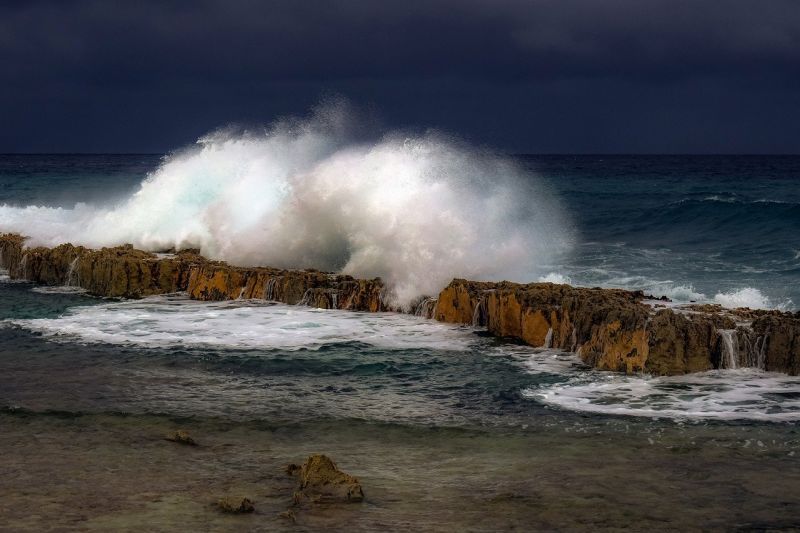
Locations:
(538, 76)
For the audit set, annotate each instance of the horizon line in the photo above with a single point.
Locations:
(562, 154)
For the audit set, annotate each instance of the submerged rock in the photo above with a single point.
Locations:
(288, 514)
(181, 437)
(320, 480)
(236, 505)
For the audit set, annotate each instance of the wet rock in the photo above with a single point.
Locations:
(126, 272)
(320, 480)
(11, 246)
(289, 515)
(236, 505)
(610, 329)
(220, 281)
(614, 329)
(679, 344)
(181, 437)
(778, 342)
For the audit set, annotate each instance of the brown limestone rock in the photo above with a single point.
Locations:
(608, 326)
(456, 303)
(612, 347)
(680, 343)
(779, 343)
(220, 281)
(11, 245)
(181, 437)
(610, 329)
(120, 271)
(320, 480)
(613, 329)
(123, 271)
(236, 505)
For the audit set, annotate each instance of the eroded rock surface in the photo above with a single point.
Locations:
(125, 272)
(320, 480)
(611, 329)
(235, 505)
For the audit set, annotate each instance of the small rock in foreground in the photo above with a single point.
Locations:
(321, 480)
(182, 437)
(236, 505)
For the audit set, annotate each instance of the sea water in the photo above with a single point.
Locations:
(446, 426)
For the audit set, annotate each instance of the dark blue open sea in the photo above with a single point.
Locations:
(447, 428)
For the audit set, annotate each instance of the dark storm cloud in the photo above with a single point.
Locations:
(98, 72)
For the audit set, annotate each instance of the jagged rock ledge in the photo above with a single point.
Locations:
(125, 272)
(610, 329)
(626, 331)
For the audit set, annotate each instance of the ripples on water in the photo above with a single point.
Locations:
(385, 366)
(447, 428)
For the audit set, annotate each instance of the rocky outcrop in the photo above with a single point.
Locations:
(181, 437)
(113, 272)
(320, 480)
(220, 281)
(125, 272)
(774, 344)
(620, 330)
(610, 329)
(235, 505)
(11, 246)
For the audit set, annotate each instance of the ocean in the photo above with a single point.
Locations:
(447, 427)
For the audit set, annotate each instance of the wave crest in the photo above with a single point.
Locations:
(416, 211)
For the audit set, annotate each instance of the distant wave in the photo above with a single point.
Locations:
(718, 224)
(732, 199)
(555, 277)
(416, 211)
(744, 297)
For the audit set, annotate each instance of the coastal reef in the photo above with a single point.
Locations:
(610, 329)
(125, 272)
(626, 331)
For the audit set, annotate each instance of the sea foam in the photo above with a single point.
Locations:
(176, 321)
(746, 297)
(414, 210)
(744, 394)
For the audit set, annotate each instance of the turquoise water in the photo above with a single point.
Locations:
(690, 227)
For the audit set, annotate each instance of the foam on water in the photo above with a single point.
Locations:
(558, 379)
(680, 293)
(743, 394)
(555, 277)
(59, 289)
(747, 297)
(176, 321)
(416, 211)
(744, 297)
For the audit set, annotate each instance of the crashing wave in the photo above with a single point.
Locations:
(416, 211)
